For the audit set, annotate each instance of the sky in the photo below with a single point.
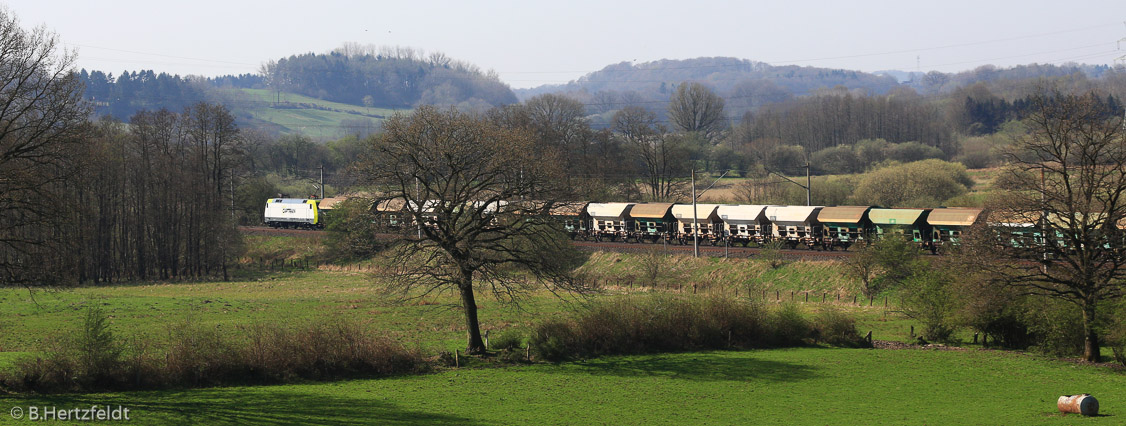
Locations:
(531, 43)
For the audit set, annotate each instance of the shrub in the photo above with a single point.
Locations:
(550, 340)
(999, 314)
(509, 339)
(919, 184)
(789, 326)
(88, 358)
(509, 346)
(663, 323)
(908, 152)
(352, 231)
(928, 297)
(771, 254)
(871, 151)
(198, 355)
(836, 328)
(1058, 328)
(835, 161)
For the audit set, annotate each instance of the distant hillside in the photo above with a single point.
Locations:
(744, 83)
(747, 85)
(288, 113)
(348, 91)
(722, 73)
(387, 77)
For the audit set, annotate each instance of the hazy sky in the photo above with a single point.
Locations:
(532, 42)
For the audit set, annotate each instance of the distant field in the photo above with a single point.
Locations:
(294, 113)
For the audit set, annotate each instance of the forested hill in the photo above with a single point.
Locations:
(655, 80)
(389, 78)
(747, 84)
(309, 92)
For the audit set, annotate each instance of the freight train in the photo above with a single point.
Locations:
(814, 227)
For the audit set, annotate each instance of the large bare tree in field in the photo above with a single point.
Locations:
(456, 173)
(41, 113)
(1068, 179)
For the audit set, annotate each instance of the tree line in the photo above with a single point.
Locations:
(84, 201)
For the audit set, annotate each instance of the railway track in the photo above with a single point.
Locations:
(705, 250)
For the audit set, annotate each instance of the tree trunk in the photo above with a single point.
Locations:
(1091, 351)
(472, 327)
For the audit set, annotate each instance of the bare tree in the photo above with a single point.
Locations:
(664, 157)
(695, 108)
(456, 174)
(1069, 180)
(41, 114)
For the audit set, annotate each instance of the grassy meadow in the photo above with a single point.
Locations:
(300, 115)
(785, 386)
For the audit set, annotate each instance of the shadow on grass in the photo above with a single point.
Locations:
(265, 406)
(705, 366)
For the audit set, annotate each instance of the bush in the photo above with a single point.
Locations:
(789, 327)
(836, 328)
(908, 152)
(351, 231)
(837, 160)
(198, 355)
(771, 254)
(509, 339)
(1058, 328)
(550, 340)
(662, 323)
(928, 297)
(871, 151)
(918, 184)
(509, 346)
(88, 358)
(999, 314)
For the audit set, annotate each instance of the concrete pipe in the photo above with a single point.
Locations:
(1084, 404)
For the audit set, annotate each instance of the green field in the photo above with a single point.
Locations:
(791, 386)
(293, 113)
(786, 386)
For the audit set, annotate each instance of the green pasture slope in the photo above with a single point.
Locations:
(309, 116)
(789, 386)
